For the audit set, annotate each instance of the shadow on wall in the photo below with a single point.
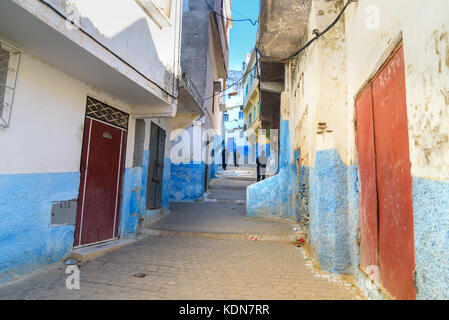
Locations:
(134, 213)
(328, 204)
(135, 37)
(275, 196)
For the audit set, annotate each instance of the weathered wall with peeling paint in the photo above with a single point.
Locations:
(423, 28)
(321, 123)
(322, 85)
(350, 55)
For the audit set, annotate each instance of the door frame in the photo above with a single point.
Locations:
(123, 127)
(380, 67)
(149, 177)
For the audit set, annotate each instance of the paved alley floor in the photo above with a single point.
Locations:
(178, 265)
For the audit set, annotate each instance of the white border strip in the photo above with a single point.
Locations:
(118, 184)
(109, 124)
(85, 181)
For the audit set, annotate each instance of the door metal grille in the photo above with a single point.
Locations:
(101, 111)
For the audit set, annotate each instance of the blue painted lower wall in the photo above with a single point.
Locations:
(275, 196)
(431, 220)
(334, 212)
(328, 203)
(329, 206)
(187, 181)
(166, 185)
(130, 210)
(27, 240)
(134, 197)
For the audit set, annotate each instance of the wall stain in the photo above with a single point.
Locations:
(447, 56)
(445, 94)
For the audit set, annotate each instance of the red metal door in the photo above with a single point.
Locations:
(367, 170)
(100, 187)
(394, 183)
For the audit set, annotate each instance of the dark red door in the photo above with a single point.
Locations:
(396, 231)
(101, 179)
(368, 184)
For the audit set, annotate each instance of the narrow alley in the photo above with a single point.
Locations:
(224, 149)
(200, 250)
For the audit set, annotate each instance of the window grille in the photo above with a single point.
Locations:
(9, 65)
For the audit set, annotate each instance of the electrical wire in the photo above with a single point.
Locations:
(253, 22)
(106, 48)
(232, 85)
(337, 19)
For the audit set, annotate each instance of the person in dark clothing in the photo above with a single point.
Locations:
(224, 157)
(261, 166)
(236, 158)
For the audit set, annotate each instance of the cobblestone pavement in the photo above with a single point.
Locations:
(194, 267)
(216, 218)
(188, 268)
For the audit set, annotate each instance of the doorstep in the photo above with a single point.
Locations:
(87, 253)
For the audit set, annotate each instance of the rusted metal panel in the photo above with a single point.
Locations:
(396, 232)
(101, 179)
(368, 184)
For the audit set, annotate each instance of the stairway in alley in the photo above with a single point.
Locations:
(221, 215)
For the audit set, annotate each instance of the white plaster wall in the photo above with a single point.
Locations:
(305, 93)
(126, 29)
(136, 47)
(330, 74)
(236, 100)
(234, 121)
(47, 122)
(215, 119)
(425, 31)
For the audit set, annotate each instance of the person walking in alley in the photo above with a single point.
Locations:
(261, 166)
(224, 157)
(236, 158)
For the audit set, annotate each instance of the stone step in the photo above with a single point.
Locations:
(231, 201)
(90, 252)
(221, 236)
(230, 184)
(241, 178)
(219, 187)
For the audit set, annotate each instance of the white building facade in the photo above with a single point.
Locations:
(90, 91)
(233, 118)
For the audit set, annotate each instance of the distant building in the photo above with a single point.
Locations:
(251, 106)
(234, 118)
(204, 60)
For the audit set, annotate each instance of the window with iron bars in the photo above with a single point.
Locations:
(9, 64)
